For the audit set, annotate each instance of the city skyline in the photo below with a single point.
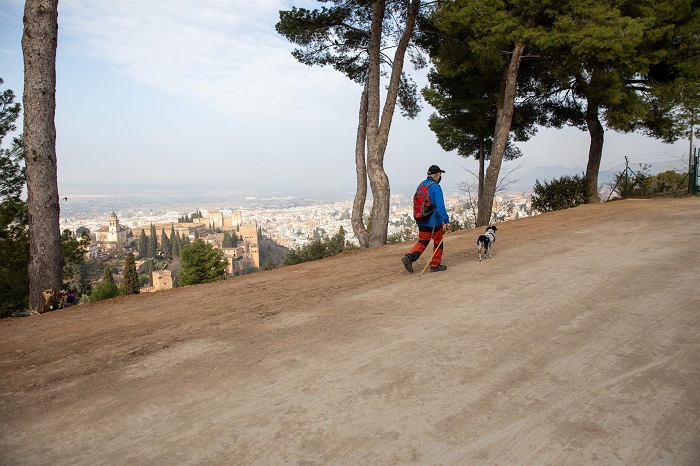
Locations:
(206, 93)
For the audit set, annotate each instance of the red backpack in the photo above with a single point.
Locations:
(422, 207)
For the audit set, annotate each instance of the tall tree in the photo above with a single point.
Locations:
(353, 36)
(492, 40)
(165, 246)
(39, 43)
(175, 240)
(149, 271)
(152, 242)
(227, 241)
(143, 245)
(130, 282)
(73, 254)
(14, 234)
(465, 104)
(201, 263)
(624, 65)
(106, 288)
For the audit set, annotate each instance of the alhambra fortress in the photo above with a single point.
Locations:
(116, 237)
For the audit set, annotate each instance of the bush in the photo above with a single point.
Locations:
(320, 248)
(201, 263)
(104, 290)
(566, 192)
(629, 183)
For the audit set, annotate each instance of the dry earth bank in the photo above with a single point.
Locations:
(577, 343)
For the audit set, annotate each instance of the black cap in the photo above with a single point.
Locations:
(434, 169)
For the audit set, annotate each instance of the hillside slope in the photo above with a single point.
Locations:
(577, 343)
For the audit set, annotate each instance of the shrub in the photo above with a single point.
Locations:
(104, 290)
(320, 248)
(566, 192)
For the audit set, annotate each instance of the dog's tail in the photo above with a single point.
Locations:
(483, 239)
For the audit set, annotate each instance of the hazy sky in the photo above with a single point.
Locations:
(207, 93)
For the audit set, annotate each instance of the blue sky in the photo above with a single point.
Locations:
(202, 92)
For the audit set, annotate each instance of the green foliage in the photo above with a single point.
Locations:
(339, 36)
(640, 184)
(14, 218)
(104, 290)
(559, 194)
(227, 242)
(149, 271)
(143, 281)
(73, 252)
(269, 264)
(166, 248)
(107, 276)
(143, 245)
(130, 282)
(666, 182)
(152, 242)
(175, 240)
(201, 263)
(318, 249)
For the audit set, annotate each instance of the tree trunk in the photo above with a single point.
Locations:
(504, 117)
(358, 206)
(378, 131)
(481, 168)
(595, 152)
(39, 43)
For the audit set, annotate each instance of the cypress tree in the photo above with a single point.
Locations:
(152, 242)
(233, 240)
(175, 240)
(149, 271)
(226, 242)
(130, 284)
(165, 246)
(143, 245)
(107, 276)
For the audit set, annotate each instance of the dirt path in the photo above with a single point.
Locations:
(577, 343)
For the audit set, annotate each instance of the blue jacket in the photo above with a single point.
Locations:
(440, 216)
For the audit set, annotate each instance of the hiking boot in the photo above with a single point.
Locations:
(408, 263)
(439, 268)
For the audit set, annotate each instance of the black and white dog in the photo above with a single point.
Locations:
(486, 241)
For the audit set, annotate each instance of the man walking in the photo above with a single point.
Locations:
(432, 227)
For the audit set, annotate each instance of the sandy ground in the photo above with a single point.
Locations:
(577, 343)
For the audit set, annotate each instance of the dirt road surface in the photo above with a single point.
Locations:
(577, 343)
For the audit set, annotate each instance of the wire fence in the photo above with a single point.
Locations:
(679, 158)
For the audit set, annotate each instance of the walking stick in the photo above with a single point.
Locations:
(434, 251)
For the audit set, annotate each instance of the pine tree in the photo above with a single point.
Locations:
(130, 284)
(143, 245)
(201, 263)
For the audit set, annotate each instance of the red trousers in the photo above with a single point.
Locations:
(425, 234)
